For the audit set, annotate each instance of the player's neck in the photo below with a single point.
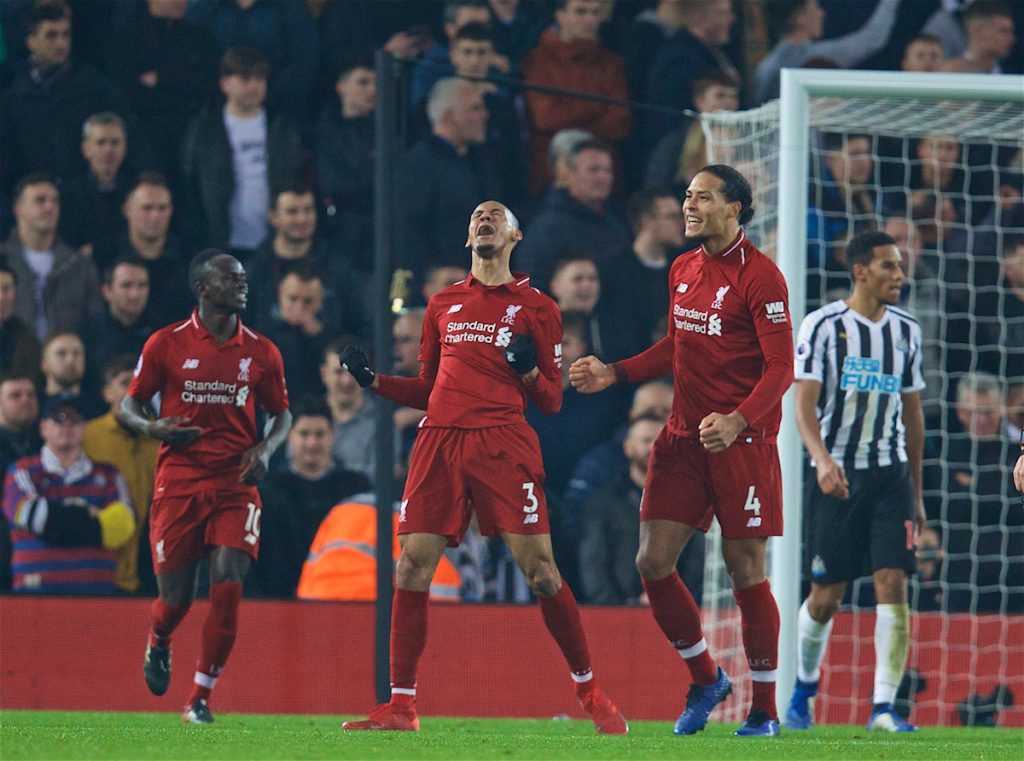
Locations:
(221, 325)
(715, 245)
(491, 271)
(869, 308)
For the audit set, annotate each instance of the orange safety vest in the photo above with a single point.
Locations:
(342, 561)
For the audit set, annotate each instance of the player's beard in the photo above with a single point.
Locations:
(487, 251)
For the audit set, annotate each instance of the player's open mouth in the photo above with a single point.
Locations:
(484, 230)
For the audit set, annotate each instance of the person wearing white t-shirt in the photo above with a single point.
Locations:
(232, 157)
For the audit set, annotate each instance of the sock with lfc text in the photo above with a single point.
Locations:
(219, 632)
(562, 617)
(677, 614)
(760, 617)
(408, 638)
(163, 620)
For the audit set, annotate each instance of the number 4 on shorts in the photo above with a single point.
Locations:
(753, 504)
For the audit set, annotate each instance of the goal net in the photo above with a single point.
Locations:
(940, 171)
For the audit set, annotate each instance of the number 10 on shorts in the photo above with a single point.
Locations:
(753, 504)
(530, 508)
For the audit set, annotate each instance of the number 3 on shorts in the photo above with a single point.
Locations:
(531, 498)
(752, 503)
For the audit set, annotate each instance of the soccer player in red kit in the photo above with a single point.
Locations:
(210, 372)
(730, 349)
(488, 343)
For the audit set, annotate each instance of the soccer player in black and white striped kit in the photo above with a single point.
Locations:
(858, 409)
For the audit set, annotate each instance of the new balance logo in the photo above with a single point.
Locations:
(754, 522)
(682, 287)
(454, 308)
(190, 364)
(533, 518)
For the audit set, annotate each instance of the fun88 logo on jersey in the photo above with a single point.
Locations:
(865, 374)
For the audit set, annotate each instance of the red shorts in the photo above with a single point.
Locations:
(183, 527)
(741, 487)
(495, 472)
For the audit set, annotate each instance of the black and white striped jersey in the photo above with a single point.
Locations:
(863, 368)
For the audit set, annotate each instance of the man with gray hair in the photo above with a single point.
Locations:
(451, 174)
(91, 218)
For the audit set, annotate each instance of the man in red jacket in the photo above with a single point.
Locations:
(488, 343)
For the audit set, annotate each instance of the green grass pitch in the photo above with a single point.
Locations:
(56, 735)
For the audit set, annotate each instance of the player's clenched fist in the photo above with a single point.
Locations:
(353, 359)
(521, 354)
(588, 375)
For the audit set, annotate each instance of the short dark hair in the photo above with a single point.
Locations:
(244, 62)
(564, 261)
(148, 178)
(336, 344)
(836, 141)
(34, 178)
(735, 188)
(361, 59)
(1011, 242)
(128, 260)
(646, 417)
(309, 405)
(575, 323)
(197, 268)
(305, 271)
(452, 7)
(43, 11)
(644, 203)
(924, 37)
(713, 78)
(987, 9)
(16, 375)
(475, 31)
(591, 144)
(861, 247)
(779, 15)
(295, 186)
(122, 363)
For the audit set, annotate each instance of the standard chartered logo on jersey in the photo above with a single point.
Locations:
(696, 321)
(478, 332)
(214, 392)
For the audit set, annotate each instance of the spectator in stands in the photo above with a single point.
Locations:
(688, 55)
(122, 328)
(19, 437)
(234, 154)
(344, 158)
(990, 38)
(297, 499)
(68, 514)
(63, 366)
(440, 277)
(638, 289)
(923, 53)
(840, 193)
(798, 26)
(646, 35)
(285, 35)
(453, 172)
(292, 245)
(352, 410)
(106, 440)
(57, 289)
(472, 54)
(994, 326)
(576, 287)
(681, 153)
(983, 525)
(947, 26)
(91, 216)
(405, 339)
(148, 210)
(571, 56)
(436, 62)
(576, 218)
(167, 67)
(561, 151)
(295, 326)
(52, 95)
(20, 350)
(611, 524)
(937, 169)
(517, 27)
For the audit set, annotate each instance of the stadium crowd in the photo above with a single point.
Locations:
(134, 133)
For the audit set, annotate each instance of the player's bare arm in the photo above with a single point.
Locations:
(173, 431)
(256, 461)
(831, 475)
(718, 431)
(1018, 473)
(913, 422)
(588, 375)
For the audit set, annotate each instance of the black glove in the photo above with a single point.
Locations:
(521, 353)
(353, 359)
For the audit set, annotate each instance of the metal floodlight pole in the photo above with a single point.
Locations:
(389, 78)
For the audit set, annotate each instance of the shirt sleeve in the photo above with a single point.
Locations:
(913, 379)
(271, 393)
(777, 349)
(546, 393)
(415, 392)
(149, 374)
(812, 341)
(656, 361)
(18, 488)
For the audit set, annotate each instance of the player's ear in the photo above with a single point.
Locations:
(517, 235)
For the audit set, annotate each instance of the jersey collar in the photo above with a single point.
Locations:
(736, 247)
(519, 282)
(240, 331)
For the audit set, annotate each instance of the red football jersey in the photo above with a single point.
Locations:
(728, 324)
(465, 381)
(217, 388)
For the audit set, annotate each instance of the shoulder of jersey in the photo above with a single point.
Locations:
(903, 313)
(824, 312)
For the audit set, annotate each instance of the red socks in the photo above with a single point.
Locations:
(677, 614)
(163, 620)
(562, 617)
(760, 617)
(408, 638)
(218, 637)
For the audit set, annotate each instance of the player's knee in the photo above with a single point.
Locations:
(652, 566)
(414, 570)
(543, 578)
(822, 609)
